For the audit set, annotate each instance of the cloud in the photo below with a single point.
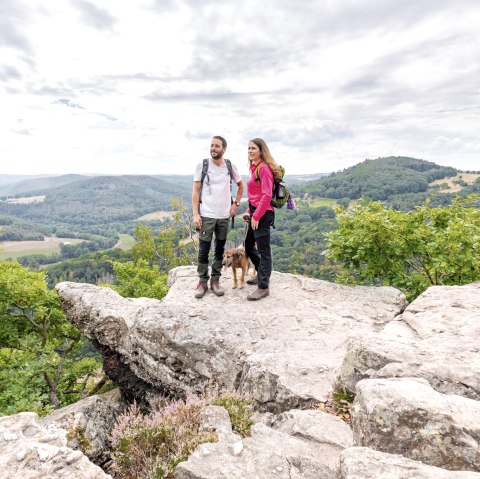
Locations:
(12, 15)
(94, 16)
(67, 102)
(214, 95)
(71, 104)
(8, 73)
(304, 136)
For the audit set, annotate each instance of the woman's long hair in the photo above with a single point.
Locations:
(267, 157)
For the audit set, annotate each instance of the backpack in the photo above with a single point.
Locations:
(205, 174)
(280, 193)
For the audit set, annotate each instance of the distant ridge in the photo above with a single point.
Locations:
(33, 185)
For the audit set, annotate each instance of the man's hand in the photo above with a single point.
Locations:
(197, 221)
(233, 210)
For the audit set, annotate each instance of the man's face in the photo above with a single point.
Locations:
(216, 149)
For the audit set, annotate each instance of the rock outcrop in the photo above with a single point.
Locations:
(365, 463)
(436, 338)
(88, 423)
(284, 352)
(406, 416)
(30, 450)
(415, 370)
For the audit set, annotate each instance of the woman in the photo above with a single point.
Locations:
(260, 214)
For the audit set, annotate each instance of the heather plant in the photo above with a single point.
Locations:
(150, 446)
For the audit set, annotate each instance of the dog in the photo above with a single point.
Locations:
(237, 258)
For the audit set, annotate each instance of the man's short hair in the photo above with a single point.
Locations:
(222, 139)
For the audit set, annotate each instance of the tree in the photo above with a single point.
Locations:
(409, 250)
(175, 244)
(153, 256)
(41, 365)
(136, 279)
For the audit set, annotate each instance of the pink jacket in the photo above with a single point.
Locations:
(260, 194)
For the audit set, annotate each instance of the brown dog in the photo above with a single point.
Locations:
(237, 258)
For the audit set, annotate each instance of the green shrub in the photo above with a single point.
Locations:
(240, 411)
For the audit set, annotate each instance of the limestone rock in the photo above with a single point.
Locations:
(315, 425)
(406, 416)
(88, 423)
(29, 450)
(294, 448)
(284, 352)
(365, 463)
(437, 337)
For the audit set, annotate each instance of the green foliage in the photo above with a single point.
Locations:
(174, 244)
(41, 367)
(93, 268)
(154, 256)
(77, 434)
(239, 409)
(136, 279)
(410, 251)
(342, 401)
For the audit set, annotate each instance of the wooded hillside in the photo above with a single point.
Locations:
(377, 179)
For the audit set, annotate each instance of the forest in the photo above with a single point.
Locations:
(392, 221)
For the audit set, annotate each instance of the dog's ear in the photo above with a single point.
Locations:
(241, 252)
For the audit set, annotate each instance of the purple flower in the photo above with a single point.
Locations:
(290, 203)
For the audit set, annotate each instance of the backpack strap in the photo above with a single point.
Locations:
(257, 172)
(230, 172)
(230, 169)
(257, 178)
(202, 178)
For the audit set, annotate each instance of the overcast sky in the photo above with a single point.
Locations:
(140, 87)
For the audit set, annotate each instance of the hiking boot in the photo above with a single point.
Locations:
(258, 294)
(202, 288)
(253, 281)
(216, 288)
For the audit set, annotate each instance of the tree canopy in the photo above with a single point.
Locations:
(409, 250)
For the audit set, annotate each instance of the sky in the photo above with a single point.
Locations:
(140, 87)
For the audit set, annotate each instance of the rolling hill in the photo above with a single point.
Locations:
(30, 186)
(377, 179)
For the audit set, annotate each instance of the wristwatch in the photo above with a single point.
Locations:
(238, 204)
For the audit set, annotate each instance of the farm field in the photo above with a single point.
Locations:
(15, 249)
(26, 200)
(452, 182)
(157, 215)
(317, 202)
(125, 242)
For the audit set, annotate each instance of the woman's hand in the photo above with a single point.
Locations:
(254, 224)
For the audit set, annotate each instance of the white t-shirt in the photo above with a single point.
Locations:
(216, 194)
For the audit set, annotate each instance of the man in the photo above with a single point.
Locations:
(212, 209)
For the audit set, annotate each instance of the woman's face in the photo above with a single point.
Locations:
(254, 152)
